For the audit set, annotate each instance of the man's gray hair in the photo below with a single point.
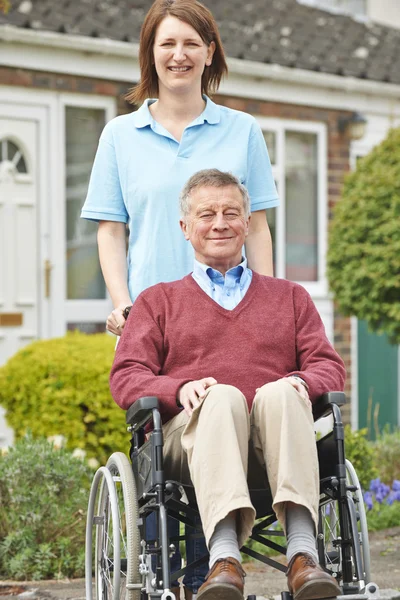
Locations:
(211, 178)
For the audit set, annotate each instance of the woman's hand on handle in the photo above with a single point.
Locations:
(116, 320)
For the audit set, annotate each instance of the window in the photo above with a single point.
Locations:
(11, 153)
(298, 226)
(357, 8)
(83, 127)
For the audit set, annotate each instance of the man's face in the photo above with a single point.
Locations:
(217, 226)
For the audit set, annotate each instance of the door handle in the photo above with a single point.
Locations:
(47, 278)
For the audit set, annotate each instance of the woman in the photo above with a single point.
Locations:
(145, 158)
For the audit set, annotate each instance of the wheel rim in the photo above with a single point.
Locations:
(112, 574)
(362, 520)
(330, 546)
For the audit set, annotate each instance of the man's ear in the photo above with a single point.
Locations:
(184, 228)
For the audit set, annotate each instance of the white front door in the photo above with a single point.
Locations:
(19, 295)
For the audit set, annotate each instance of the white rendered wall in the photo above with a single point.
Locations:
(386, 12)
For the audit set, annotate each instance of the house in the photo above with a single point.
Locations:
(306, 69)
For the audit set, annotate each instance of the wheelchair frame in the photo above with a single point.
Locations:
(126, 493)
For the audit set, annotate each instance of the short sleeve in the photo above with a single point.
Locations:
(260, 182)
(104, 200)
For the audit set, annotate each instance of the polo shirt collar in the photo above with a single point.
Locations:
(143, 117)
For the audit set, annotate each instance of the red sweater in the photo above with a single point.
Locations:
(176, 333)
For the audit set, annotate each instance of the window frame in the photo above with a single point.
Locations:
(90, 310)
(280, 127)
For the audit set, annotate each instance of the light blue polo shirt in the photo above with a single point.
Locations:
(140, 169)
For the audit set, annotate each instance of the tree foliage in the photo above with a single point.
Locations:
(364, 243)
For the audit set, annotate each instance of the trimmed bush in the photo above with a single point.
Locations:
(43, 504)
(363, 262)
(360, 452)
(60, 387)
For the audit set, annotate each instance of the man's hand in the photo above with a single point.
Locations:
(190, 394)
(296, 383)
(116, 320)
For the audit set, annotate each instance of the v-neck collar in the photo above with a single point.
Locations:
(230, 314)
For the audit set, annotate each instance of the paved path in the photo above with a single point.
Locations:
(261, 580)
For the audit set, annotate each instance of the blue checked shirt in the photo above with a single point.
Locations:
(227, 291)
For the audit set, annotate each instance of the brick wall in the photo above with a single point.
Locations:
(338, 147)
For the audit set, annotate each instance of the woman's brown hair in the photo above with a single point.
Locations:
(200, 18)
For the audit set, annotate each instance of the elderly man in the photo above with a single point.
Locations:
(236, 360)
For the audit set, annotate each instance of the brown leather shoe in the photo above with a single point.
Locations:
(308, 581)
(225, 581)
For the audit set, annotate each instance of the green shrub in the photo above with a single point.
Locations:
(383, 516)
(363, 260)
(43, 502)
(360, 452)
(60, 387)
(387, 456)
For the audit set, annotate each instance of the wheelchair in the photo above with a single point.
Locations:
(128, 566)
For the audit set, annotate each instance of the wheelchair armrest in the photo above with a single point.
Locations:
(141, 411)
(323, 405)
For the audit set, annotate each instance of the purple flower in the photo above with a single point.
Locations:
(396, 495)
(390, 499)
(368, 500)
(396, 485)
(384, 489)
(374, 485)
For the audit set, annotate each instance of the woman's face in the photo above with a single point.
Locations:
(180, 56)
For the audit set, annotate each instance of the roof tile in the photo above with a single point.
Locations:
(277, 31)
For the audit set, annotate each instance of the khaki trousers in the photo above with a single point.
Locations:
(211, 449)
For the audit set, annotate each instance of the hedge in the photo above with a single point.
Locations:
(60, 387)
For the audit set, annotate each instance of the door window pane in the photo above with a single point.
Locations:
(301, 175)
(84, 277)
(270, 140)
(87, 327)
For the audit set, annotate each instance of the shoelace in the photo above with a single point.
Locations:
(308, 560)
(224, 566)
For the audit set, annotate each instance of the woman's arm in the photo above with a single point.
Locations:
(111, 238)
(259, 244)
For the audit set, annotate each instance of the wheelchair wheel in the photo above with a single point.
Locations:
(362, 518)
(343, 537)
(117, 534)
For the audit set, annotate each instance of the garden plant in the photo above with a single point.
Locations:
(60, 387)
(43, 500)
(363, 261)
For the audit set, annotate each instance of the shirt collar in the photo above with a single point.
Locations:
(208, 274)
(143, 117)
